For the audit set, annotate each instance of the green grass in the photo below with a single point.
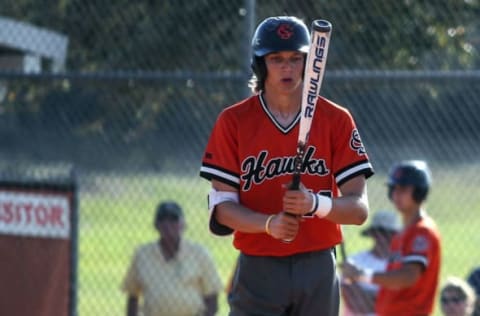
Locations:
(116, 216)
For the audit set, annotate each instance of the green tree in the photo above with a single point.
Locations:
(379, 34)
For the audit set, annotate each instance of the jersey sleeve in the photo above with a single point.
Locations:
(220, 160)
(350, 158)
(419, 248)
(131, 283)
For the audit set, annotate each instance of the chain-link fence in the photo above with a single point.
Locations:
(144, 82)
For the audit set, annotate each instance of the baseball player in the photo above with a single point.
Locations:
(408, 286)
(249, 161)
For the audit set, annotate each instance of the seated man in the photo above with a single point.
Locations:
(360, 297)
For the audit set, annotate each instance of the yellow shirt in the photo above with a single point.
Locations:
(175, 287)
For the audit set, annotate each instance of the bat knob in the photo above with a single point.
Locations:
(323, 26)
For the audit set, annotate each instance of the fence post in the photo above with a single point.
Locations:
(247, 47)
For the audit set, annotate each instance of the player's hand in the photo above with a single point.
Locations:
(350, 271)
(298, 202)
(284, 226)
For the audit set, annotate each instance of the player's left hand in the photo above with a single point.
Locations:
(298, 202)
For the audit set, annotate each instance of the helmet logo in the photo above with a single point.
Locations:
(398, 173)
(285, 31)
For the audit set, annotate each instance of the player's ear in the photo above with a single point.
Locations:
(390, 192)
(182, 225)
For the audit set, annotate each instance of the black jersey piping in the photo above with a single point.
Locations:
(284, 130)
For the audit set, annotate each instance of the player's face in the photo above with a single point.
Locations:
(382, 238)
(402, 198)
(284, 72)
(453, 304)
(171, 229)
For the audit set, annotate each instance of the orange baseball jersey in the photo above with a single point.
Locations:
(250, 151)
(419, 243)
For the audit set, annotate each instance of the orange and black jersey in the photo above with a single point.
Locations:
(420, 244)
(250, 151)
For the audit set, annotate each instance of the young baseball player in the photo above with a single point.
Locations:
(249, 161)
(409, 285)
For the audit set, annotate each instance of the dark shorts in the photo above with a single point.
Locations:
(303, 284)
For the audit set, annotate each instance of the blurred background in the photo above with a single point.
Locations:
(126, 92)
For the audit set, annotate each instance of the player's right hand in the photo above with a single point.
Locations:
(284, 226)
(297, 202)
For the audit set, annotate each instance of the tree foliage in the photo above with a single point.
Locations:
(210, 35)
(201, 36)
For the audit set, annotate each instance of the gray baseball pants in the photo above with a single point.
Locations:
(299, 285)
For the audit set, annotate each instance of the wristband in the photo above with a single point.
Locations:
(366, 276)
(314, 203)
(267, 224)
(323, 205)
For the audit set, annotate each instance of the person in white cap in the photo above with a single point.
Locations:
(359, 298)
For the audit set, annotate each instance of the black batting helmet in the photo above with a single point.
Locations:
(275, 34)
(411, 173)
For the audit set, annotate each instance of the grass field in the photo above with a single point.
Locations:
(116, 215)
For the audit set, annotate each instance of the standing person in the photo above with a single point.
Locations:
(474, 280)
(249, 160)
(175, 276)
(457, 298)
(409, 285)
(360, 297)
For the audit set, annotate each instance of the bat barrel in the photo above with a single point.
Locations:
(323, 26)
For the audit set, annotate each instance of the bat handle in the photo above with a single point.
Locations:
(295, 185)
(295, 181)
(343, 252)
(298, 166)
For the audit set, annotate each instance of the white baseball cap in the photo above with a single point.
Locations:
(385, 220)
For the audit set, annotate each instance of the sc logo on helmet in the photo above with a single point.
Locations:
(285, 31)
